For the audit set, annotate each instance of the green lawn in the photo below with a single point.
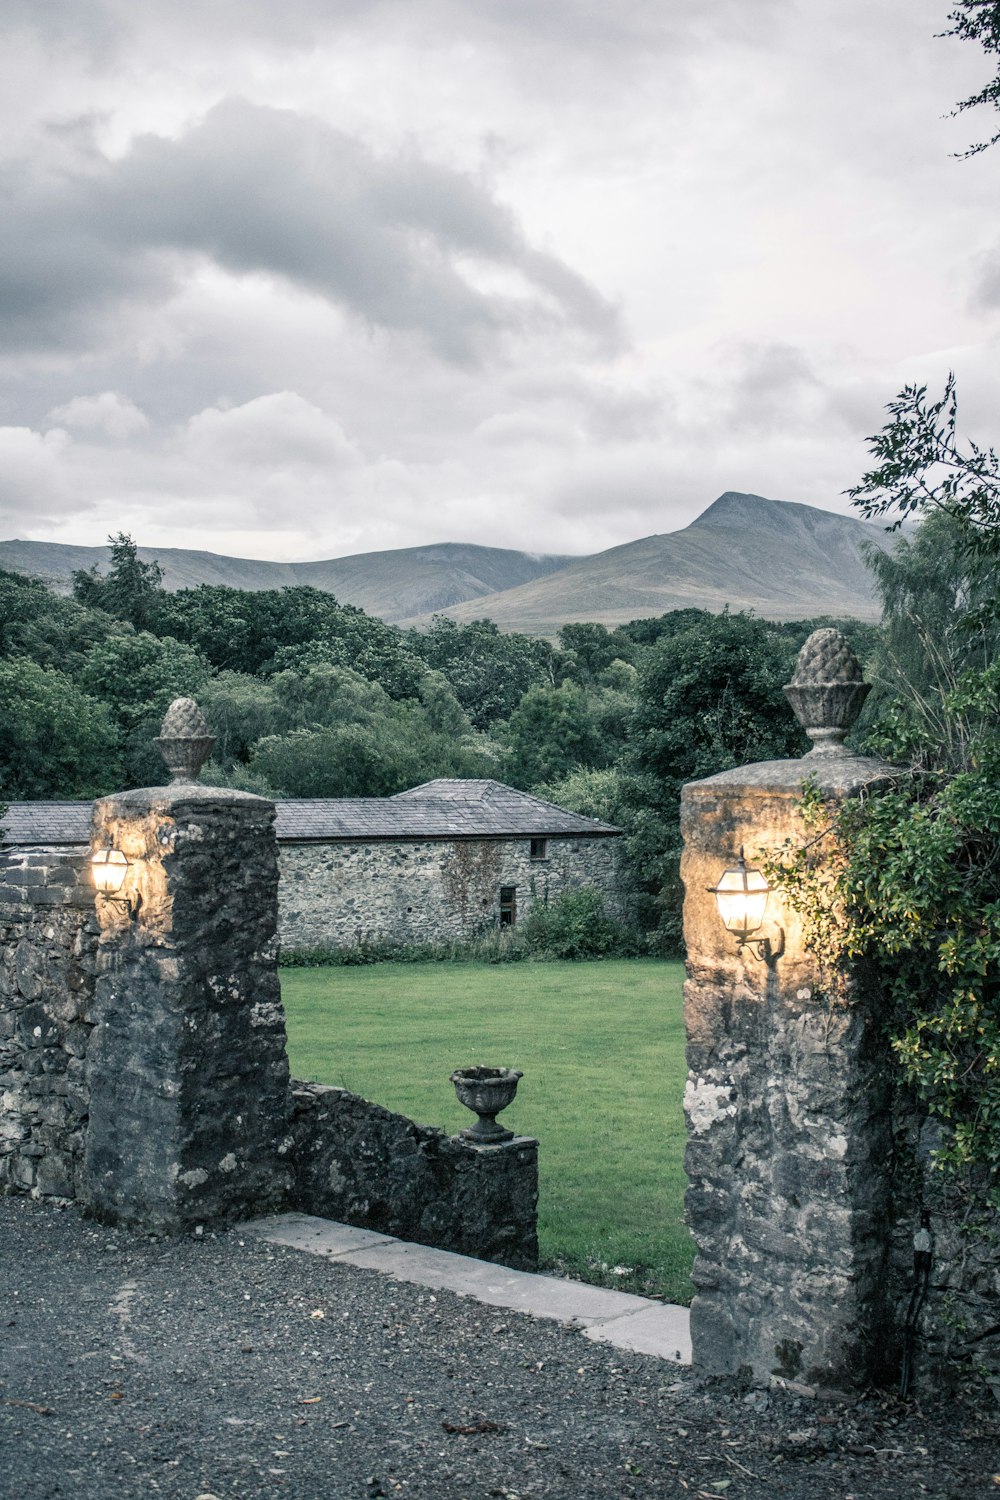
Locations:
(601, 1046)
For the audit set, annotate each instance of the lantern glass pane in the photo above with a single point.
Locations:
(742, 896)
(109, 867)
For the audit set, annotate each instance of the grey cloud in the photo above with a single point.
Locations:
(769, 385)
(267, 191)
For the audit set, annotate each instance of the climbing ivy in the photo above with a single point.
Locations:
(901, 891)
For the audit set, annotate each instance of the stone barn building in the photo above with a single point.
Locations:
(441, 862)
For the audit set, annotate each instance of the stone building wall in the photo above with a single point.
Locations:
(48, 946)
(429, 890)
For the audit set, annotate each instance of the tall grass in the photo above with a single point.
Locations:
(602, 1050)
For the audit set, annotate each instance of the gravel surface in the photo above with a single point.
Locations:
(221, 1367)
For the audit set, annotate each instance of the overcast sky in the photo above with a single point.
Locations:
(300, 280)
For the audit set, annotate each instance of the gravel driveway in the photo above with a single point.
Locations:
(230, 1368)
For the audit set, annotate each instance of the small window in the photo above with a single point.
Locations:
(508, 905)
(539, 848)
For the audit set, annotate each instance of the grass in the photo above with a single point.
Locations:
(602, 1050)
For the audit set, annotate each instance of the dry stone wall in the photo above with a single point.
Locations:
(187, 1065)
(49, 933)
(143, 1070)
(788, 1114)
(364, 1165)
(428, 891)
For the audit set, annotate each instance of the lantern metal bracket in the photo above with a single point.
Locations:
(763, 948)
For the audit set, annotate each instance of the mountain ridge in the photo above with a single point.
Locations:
(778, 558)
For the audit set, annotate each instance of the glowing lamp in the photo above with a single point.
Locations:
(109, 867)
(741, 896)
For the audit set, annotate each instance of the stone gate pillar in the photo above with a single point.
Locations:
(787, 1090)
(188, 1075)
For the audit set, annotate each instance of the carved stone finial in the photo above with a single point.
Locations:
(185, 740)
(827, 690)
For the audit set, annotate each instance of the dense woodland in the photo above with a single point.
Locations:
(311, 698)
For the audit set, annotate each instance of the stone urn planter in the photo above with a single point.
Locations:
(486, 1091)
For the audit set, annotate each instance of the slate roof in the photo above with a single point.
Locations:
(438, 809)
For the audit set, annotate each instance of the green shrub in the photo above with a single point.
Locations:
(577, 926)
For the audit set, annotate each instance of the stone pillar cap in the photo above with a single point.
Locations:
(185, 740)
(827, 690)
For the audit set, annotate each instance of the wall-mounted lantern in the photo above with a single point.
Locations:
(109, 868)
(741, 895)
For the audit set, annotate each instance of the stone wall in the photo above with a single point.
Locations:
(48, 932)
(142, 1060)
(958, 1330)
(808, 1162)
(428, 891)
(187, 1065)
(788, 1114)
(364, 1165)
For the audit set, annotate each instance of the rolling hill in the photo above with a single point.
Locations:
(396, 584)
(783, 561)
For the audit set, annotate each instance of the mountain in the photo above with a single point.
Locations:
(783, 561)
(396, 585)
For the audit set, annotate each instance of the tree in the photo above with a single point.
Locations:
(490, 672)
(131, 590)
(551, 732)
(709, 697)
(979, 21)
(55, 741)
(53, 631)
(136, 676)
(923, 466)
(936, 628)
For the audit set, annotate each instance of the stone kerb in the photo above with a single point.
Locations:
(187, 1067)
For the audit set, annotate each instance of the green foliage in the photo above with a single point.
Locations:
(131, 590)
(576, 926)
(923, 467)
(275, 630)
(586, 652)
(488, 671)
(709, 698)
(337, 735)
(595, 794)
(52, 631)
(979, 21)
(137, 675)
(552, 730)
(55, 740)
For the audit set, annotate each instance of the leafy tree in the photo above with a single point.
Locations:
(923, 466)
(586, 651)
(55, 740)
(710, 697)
(136, 676)
(594, 793)
(935, 629)
(551, 731)
(979, 21)
(131, 590)
(53, 631)
(275, 630)
(241, 710)
(489, 672)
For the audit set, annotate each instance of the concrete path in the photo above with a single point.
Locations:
(607, 1317)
